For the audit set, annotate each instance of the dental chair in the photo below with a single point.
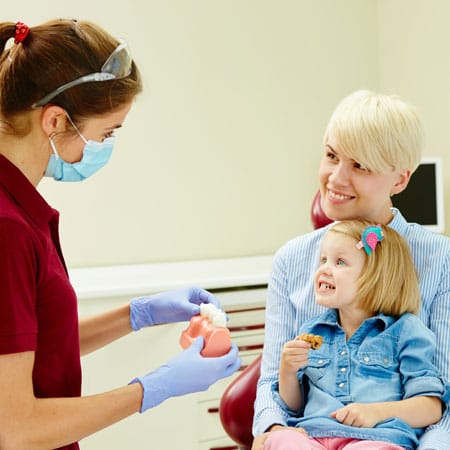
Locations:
(236, 405)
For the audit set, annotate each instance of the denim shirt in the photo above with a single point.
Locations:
(386, 359)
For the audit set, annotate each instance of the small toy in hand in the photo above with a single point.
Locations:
(313, 339)
(211, 324)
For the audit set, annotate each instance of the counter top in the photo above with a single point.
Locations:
(141, 279)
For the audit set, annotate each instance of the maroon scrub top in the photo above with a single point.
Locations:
(38, 305)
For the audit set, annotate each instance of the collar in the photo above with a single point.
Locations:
(24, 193)
(398, 223)
(330, 317)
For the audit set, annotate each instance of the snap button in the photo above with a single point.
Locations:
(343, 353)
(341, 385)
(343, 369)
(366, 359)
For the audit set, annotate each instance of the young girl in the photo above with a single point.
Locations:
(372, 383)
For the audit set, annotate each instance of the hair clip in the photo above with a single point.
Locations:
(21, 32)
(370, 238)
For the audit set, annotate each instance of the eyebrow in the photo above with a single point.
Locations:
(336, 153)
(114, 127)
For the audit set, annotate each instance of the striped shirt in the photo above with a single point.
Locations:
(291, 302)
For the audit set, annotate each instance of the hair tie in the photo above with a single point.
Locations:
(370, 238)
(21, 32)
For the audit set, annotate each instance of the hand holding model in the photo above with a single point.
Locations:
(189, 371)
(167, 307)
(186, 373)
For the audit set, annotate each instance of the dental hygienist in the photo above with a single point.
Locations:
(65, 86)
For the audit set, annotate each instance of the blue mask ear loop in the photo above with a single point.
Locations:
(52, 145)
(76, 128)
(50, 138)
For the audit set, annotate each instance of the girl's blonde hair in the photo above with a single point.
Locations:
(388, 282)
(382, 132)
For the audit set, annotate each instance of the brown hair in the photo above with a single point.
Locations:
(53, 54)
(388, 282)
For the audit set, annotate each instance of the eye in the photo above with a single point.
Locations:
(331, 156)
(108, 134)
(341, 262)
(361, 167)
(323, 260)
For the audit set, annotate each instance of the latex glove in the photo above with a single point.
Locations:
(167, 307)
(186, 373)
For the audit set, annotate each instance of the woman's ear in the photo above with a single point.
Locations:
(403, 179)
(53, 120)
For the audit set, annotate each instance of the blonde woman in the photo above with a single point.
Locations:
(372, 145)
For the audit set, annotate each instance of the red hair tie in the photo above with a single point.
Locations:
(21, 33)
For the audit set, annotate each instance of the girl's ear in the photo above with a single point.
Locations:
(53, 120)
(403, 179)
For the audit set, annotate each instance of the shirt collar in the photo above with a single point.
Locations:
(398, 223)
(330, 317)
(24, 193)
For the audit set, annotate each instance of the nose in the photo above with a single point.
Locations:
(324, 270)
(340, 175)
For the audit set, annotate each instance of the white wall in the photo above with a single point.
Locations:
(219, 156)
(414, 61)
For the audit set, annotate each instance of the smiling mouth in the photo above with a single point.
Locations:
(336, 196)
(326, 286)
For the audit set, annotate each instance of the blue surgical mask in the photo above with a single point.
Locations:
(95, 156)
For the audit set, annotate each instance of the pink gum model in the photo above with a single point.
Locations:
(211, 324)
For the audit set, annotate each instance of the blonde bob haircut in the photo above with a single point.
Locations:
(388, 282)
(381, 132)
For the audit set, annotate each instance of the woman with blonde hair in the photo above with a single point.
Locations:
(372, 145)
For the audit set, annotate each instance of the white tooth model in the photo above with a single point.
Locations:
(217, 317)
(211, 323)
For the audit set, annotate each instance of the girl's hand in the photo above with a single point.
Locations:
(358, 415)
(294, 356)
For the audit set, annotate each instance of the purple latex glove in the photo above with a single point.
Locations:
(167, 307)
(186, 373)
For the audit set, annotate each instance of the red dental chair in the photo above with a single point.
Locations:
(236, 405)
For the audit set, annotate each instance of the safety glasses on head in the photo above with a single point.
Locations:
(117, 66)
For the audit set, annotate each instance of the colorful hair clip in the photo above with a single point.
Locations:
(370, 238)
(21, 33)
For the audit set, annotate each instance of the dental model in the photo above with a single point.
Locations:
(211, 324)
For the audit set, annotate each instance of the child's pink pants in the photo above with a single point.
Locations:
(294, 440)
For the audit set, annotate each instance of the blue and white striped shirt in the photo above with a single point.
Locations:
(291, 302)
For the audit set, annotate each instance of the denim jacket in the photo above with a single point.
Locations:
(386, 359)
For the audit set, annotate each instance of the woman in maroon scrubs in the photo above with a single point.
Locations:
(65, 86)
